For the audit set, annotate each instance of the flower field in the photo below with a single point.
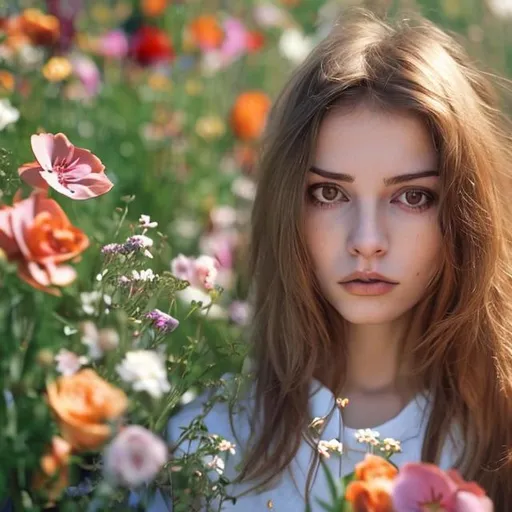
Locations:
(129, 135)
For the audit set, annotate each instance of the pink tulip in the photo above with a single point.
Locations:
(72, 171)
(87, 72)
(422, 487)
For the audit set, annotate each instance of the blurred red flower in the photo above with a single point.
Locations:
(151, 45)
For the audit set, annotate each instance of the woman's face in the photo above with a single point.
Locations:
(371, 206)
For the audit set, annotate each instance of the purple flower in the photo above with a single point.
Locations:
(162, 321)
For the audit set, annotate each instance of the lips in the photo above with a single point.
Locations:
(367, 278)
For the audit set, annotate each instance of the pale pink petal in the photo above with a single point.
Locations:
(52, 178)
(38, 273)
(84, 156)
(48, 148)
(77, 172)
(27, 276)
(22, 216)
(418, 484)
(469, 502)
(31, 173)
(61, 275)
(93, 185)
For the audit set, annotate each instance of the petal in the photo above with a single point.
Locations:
(31, 173)
(26, 275)
(418, 484)
(52, 179)
(76, 172)
(93, 185)
(84, 156)
(48, 148)
(468, 502)
(22, 216)
(61, 275)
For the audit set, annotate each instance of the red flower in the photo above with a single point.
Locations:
(150, 45)
(255, 41)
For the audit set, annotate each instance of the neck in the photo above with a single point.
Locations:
(374, 364)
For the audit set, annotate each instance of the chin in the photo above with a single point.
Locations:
(369, 314)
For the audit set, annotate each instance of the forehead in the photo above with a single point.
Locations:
(367, 140)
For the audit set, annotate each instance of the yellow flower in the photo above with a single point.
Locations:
(159, 82)
(57, 69)
(210, 127)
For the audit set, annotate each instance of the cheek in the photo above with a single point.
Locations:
(323, 241)
(425, 253)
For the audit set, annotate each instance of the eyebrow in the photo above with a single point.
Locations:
(394, 180)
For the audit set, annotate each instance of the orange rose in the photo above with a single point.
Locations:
(206, 32)
(83, 404)
(374, 466)
(42, 29)
(371, 489)
(53, 475)
(249, 114)
(37, 234)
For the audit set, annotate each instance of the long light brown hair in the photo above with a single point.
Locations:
(464, 356)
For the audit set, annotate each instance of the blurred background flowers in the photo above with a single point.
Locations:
(170, 98)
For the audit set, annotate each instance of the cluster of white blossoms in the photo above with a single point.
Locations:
(368, 436)
(144, 275)
(325, 448)
(145, 371)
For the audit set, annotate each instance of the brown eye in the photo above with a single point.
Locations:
(414, 197)
(327, 194)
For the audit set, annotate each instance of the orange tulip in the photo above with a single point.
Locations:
(153, 7)
(53, 475)
(374, 466)
(249, 114)
(83, 404)
(206, 32)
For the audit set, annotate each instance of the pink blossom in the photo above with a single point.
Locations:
(68, 363)
(206, 270)
(235, 40)
(72, 171)
(162, 321)
(134, 457)
(88, 73)
(114, 44)
(426, 487)
(183, 267)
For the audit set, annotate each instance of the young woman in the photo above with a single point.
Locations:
(381, 269)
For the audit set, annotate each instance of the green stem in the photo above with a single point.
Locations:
(15, 493)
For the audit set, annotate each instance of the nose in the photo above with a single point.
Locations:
(368, 237)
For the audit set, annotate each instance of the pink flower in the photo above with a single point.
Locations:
(68, 363)
(88, 73)
(182, 267)
(134, 457)
(162, 321)
(200, 272)
(72, 171)
(114, 44)
(420, 487)
(235, 40)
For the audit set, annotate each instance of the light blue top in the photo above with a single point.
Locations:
(287, 494)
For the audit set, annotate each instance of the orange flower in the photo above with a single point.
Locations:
(37, 234)
(153, 7)
(42, 29)
(371, 489)
(53, 475)
(374, 466)
(57, 69)
(206, 32)
(83, 404)
(7, 81)
(249, 114)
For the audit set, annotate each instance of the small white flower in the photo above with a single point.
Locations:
(90, 302)
(68, 330)
(68, 363)
(294, 45)
(143, 275)
(501, 8)
(214, 462)
(325, 448)
(244, 188)
(145, 222)
(143, 240)
(269, 15)
(8, 113)
(367, 436)
(226, 446)
(145, 370)
(30, 57)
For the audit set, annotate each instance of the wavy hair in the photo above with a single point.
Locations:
(464, 356)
